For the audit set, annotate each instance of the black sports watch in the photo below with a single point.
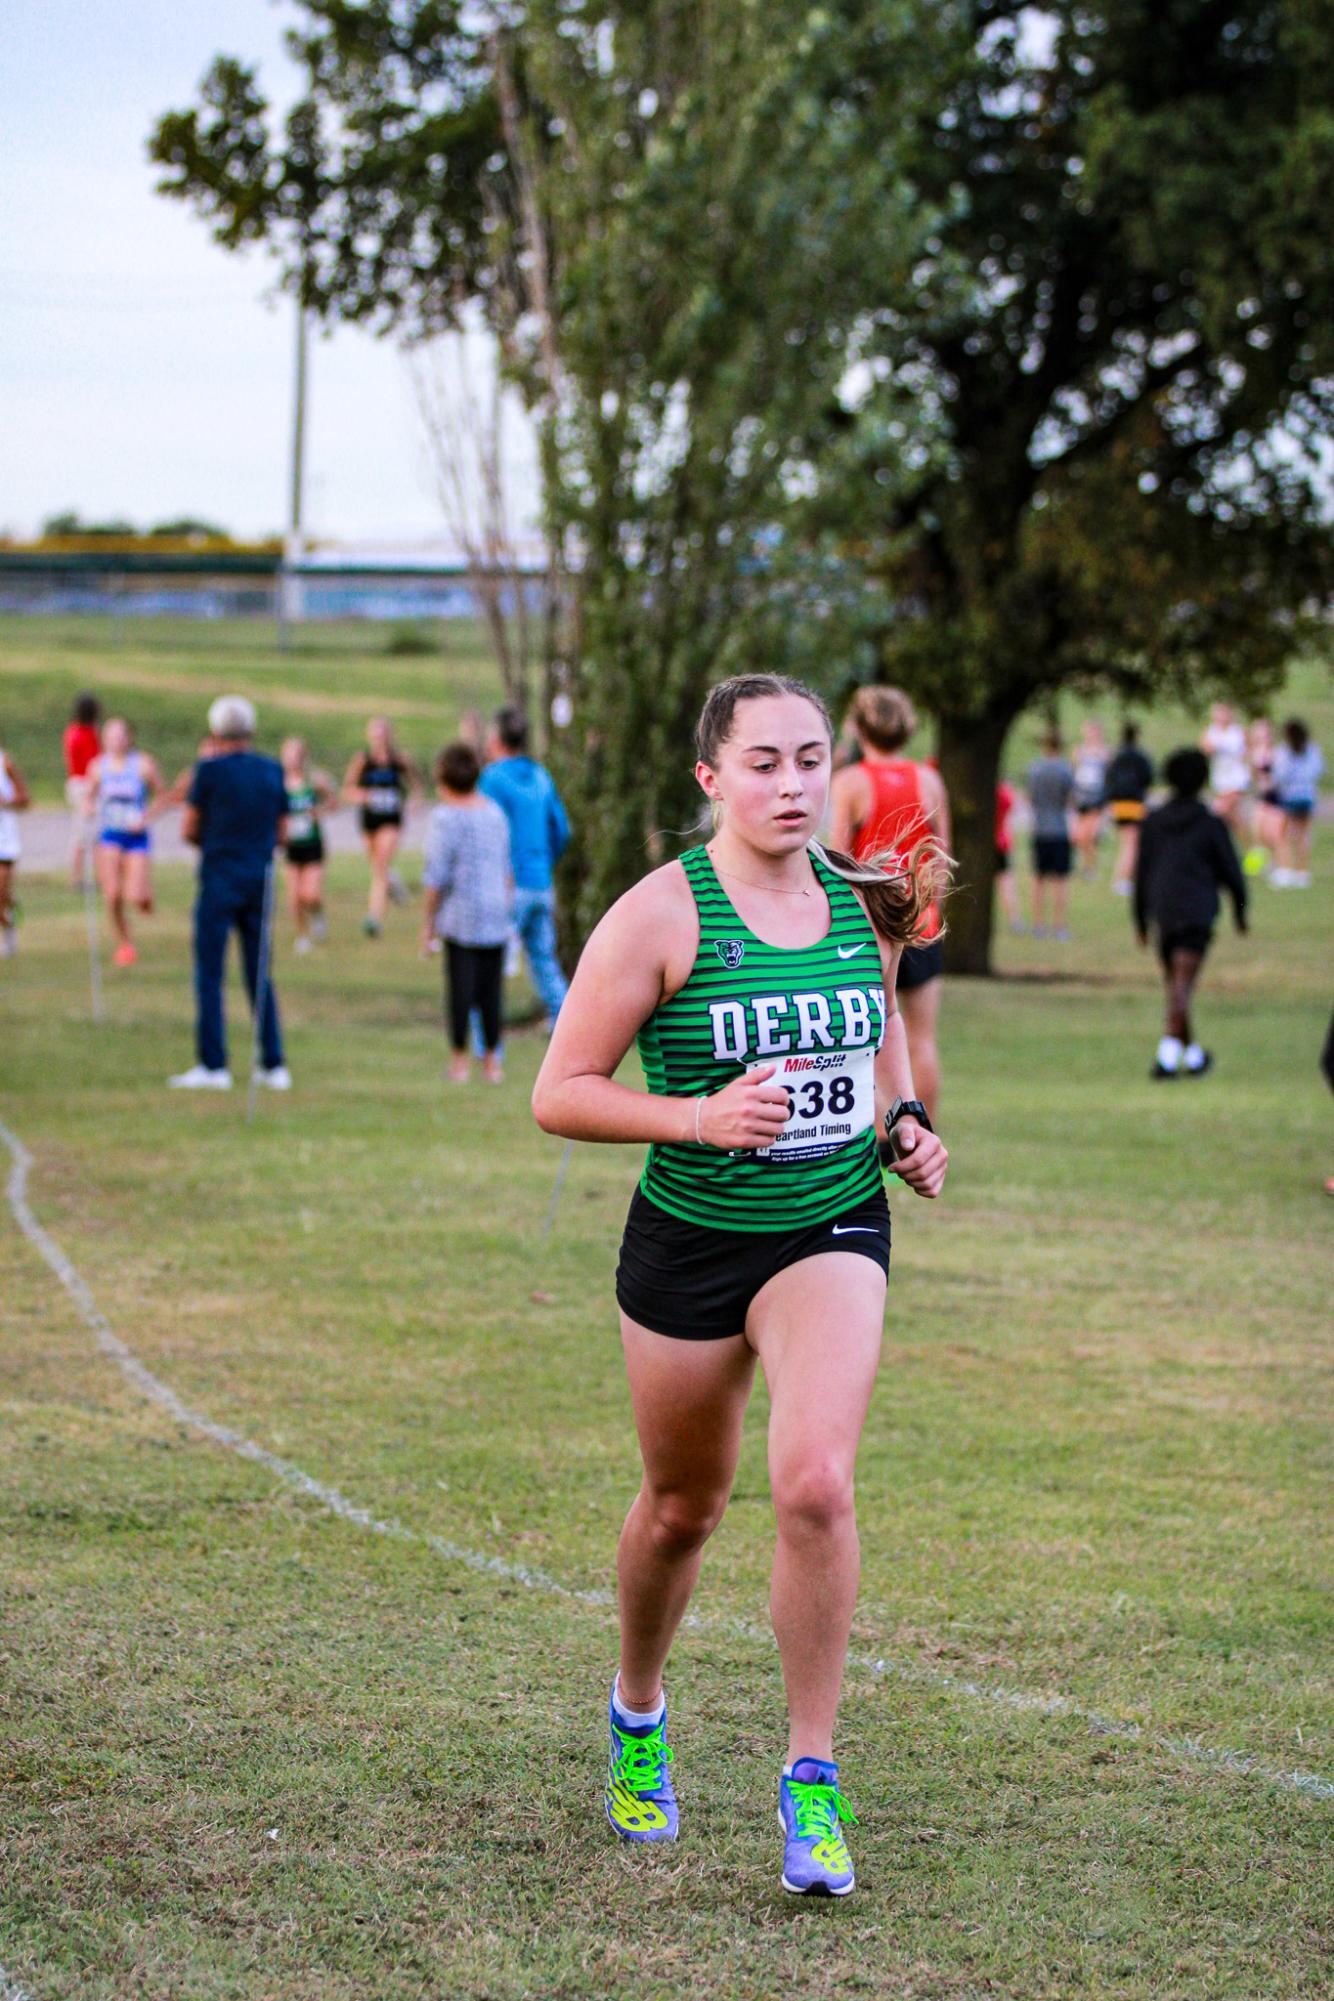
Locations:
(902, 1108)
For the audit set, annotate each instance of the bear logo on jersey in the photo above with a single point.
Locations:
(731, 951)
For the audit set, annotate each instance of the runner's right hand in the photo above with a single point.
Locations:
(749, 1112)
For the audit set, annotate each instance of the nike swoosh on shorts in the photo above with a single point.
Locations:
(853, 1230)
(849, 951)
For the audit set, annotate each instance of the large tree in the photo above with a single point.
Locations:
(1113, 368)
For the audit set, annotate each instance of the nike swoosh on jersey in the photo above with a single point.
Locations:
(848, 951)
(853, 1230)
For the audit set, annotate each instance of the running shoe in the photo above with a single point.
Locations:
(1202, 1067)
(9, 940)
(277, 1079)
(302, 945)
(197, 1078)
(371, 926)
(1160, 1074)
(124, 954)
(816, 1862)
(641, 1804)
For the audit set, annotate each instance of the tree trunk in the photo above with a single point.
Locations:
(970, 753)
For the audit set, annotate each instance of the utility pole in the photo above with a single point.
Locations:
(288, 595)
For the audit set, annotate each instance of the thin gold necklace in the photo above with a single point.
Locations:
(776, 888)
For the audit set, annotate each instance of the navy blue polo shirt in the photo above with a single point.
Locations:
(240, 798)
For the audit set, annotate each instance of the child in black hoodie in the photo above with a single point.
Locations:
(1185, 855)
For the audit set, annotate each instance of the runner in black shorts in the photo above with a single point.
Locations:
(1051, 791)
(309, 793)
(1185, 856)
(380, 780)
(758, 975)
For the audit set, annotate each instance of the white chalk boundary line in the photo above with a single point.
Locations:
(993, 1693)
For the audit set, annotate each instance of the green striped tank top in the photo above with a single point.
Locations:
(818, 1013)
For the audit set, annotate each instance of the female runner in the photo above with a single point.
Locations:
(15, 798)
(884, 806)
(123, 784)
(309, 793)
(760, 985)
(380, 780)
(1090, 795)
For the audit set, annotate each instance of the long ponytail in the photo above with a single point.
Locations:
(899, 890)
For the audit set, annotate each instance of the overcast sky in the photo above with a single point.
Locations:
(143, 371)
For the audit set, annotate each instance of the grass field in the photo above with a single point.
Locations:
(163, 672)
(250, 1749)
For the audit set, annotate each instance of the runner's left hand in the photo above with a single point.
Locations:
(922, 1158)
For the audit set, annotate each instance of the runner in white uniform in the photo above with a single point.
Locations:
(1224, 744)
(14, 797)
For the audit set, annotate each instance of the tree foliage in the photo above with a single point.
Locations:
(986, 345)
(1098, 410)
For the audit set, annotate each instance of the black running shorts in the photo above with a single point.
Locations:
(1183, 938)
(1052, 855)
(919, 964)
(696, 1283)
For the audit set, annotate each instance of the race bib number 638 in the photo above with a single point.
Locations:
(831, 1099)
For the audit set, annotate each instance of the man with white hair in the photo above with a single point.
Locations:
(234, 814)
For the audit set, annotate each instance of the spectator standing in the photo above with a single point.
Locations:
(887, 804)
(469, 904)
(1298, 767)
(14, 799)
(236, 816)
(1185, 856)
(80, 745)
(539, 831)
(1129, 776)
(1224, 744)
(1051, 788)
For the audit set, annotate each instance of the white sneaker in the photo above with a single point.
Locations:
(277, 1079)
(319, 928)
(1300, 879)
(9, 940)
(199, 1079)
(302, 945)
(1280, 878)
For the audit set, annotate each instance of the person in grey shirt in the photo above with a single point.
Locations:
(1051, 789)
(470, 904)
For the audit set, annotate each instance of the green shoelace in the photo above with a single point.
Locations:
(643, 1760)
(818, 1809)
